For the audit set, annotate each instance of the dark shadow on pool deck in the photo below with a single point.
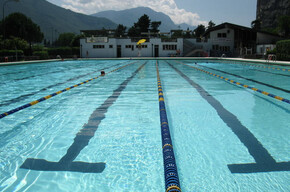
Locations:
(81, 140)
(264, 161)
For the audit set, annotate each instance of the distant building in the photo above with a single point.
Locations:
(237, 41)
(226, 39)
(105, 47)
(231, 40)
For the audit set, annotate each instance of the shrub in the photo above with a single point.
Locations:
(41, 54)
(76, 50)
(60, 51)
(13, 43)
(274, 51)
(64, 51)
(283, 50)
(37, 47)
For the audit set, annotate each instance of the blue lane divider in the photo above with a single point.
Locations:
(170, 168)
(54, 94)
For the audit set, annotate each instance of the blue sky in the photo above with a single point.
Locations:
(193, 12)
(241, 12)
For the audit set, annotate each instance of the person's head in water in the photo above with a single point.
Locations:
(102, 73)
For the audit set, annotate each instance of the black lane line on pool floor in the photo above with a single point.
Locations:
(39, 75)
(81, 140)
(36, 75)
(270, 72)
(255, 81)
(264, 161)
(22, 97)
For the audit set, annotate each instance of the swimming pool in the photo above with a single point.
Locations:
(226, 137)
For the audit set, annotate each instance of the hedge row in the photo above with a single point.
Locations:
(64, 51)
(7, 53)
(283, 50)
(41, 54)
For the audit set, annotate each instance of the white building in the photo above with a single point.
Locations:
(105, 47)
(226, 39)
(266, 41)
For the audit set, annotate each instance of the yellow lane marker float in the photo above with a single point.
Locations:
(54, 94)
(240, 84)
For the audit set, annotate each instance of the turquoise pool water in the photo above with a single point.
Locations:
(225, 137)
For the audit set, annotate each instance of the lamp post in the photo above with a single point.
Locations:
(3, 20)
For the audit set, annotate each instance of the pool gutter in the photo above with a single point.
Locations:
(28, 62)
(254, 61)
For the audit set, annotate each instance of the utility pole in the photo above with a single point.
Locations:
(51, 36)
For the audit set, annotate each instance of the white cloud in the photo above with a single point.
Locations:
(168, 7)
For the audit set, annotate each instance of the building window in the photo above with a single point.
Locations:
(142, 46)
(110, 46)
(215, 47)
(169, 47)
(128, 46)
(222, 35)
(98, 46)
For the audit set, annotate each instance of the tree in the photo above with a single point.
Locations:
(284, 25)
(120, 31)
(18, 25)
(103, 32)
(256, 24)
(134, 31)
(210, 24)
(187, 33)
(177, 33)
(76, 41)
(199, 31)
(155, 25)
(65, 39)
(144, 23)
(14, 43)
(141, 26)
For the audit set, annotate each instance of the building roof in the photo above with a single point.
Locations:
(239, 27)
(228, 25)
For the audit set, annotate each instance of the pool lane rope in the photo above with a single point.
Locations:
(54, 94)
(267, 67)
(170, 168)
(240, 84)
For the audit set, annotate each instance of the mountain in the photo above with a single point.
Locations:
(185, 26)
(130, 16)
(54, 20)
(269, 11)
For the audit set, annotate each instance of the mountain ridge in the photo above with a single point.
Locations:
(121, 17)
(54, 20)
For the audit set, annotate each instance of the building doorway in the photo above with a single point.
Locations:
(119, 51)
(156, 50)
